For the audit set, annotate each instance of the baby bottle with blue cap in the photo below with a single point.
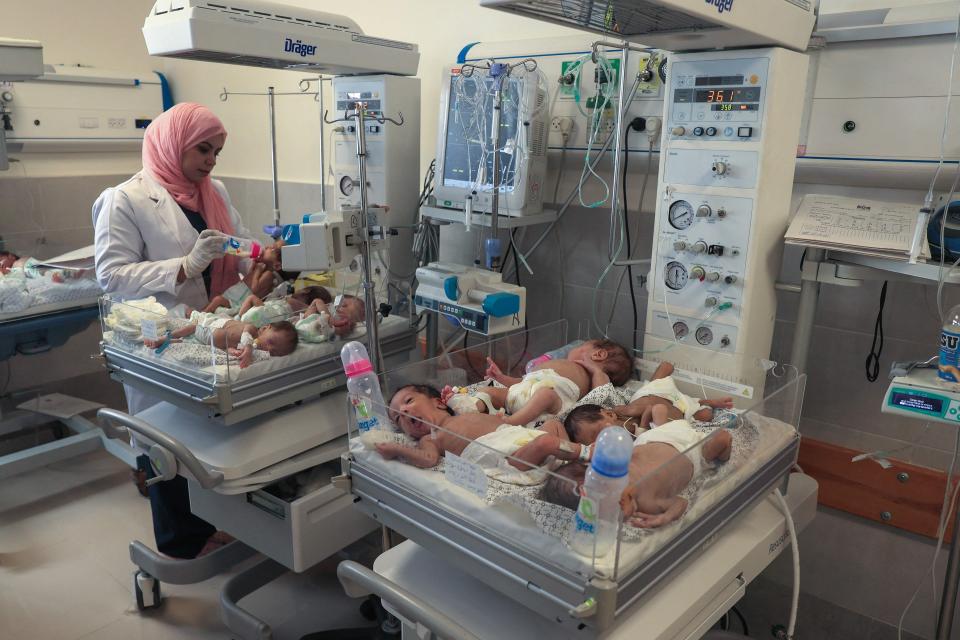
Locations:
(364, 388)
(597, 520)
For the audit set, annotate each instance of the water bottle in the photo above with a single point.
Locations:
(242, 247)
(596, 522)
(364, 388)
(949, 369)
(556, 354)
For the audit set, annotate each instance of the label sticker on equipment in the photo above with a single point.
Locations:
(465, 474)
(149, 329)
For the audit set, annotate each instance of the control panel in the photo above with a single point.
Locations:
(726, 179)
(393, 158)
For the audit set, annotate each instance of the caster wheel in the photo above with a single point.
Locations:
(147, 591)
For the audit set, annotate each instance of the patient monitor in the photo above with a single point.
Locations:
(478, 299)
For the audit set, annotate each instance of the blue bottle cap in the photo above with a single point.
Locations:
(611, 455)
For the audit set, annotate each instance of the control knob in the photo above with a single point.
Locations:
(678, 131)
(704, 211)
(725, 341)
(698, 273)
(730, 279)
(713, 276)
(710, 302)
(6, 96)
(680, 245)
(720, 168)
(699, 247)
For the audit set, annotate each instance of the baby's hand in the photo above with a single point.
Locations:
(447, 393)
(154, 343)
(389, 450)
(493, 371)
(589, 365)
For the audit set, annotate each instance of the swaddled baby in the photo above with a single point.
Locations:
(555, 386)
(14, 265)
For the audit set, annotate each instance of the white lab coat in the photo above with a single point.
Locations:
(141, 236)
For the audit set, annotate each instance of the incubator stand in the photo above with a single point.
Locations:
(502, 532)
(208, 381)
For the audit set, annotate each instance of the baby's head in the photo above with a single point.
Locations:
(352, 307)
(271, 259)
(7, 260)
(585, 422)
(316, 292)
(278, 338)
(614, 358)
(422, 407)
(563, 487)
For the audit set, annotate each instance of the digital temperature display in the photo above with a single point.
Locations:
(729, 95)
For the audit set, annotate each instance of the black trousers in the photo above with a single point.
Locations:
(178, 532)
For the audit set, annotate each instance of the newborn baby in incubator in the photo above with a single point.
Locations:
(239, 339)
(477, 437)
(12, 264)
(554, 387)
(662, 390)
(657, 473)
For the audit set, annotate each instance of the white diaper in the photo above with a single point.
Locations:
(488, 451)
(463, 402)
(521, 392)
(206, 323)
(666, 388)
(681, 436)
(236, 294)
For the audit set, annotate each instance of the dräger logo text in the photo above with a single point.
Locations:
(304, 50)
(721, 5)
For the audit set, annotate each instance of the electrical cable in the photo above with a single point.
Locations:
(466, 355)
(526, 319)
(626, 229)
(876, 347)
(795, 552)
(946, 117)
(743, 621)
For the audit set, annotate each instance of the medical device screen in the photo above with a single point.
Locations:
(918, 402)
(469, 144)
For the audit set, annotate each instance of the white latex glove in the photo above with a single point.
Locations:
(208, 247)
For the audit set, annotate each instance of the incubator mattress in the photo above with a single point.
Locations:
(515, 513)
(213, 364)
(25, 297)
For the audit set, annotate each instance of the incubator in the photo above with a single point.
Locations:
(214, 380)
(506, 523)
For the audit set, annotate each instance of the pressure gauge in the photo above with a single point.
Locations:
(680, 330)
(676, 276)
(681, 214)
(704, 335)
(346, 185)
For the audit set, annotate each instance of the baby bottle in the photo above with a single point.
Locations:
(364, 388)
(556, 354)
(596, 522)
(242, 247)
(949, 369)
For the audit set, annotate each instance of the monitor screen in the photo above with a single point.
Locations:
(469, 122)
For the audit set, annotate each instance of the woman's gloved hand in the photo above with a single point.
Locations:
(207, 248)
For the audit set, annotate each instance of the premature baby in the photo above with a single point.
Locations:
(657, 473)
(11, 263)
(555, 386)
(238, 338)
(477, 437)
(263, 277)
(662, 390)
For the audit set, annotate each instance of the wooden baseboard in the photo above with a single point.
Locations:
(904, 496)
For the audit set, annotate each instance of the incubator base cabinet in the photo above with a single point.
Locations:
(699, 593)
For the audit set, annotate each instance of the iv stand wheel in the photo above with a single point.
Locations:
(147, 590)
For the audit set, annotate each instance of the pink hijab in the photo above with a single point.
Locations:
(164, 142)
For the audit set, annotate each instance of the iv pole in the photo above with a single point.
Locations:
(360, 117)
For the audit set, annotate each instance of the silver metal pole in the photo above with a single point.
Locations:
(495, 209)
(806, 313)
(950, 583)
(618, 145)
(323, 166)
(369, 299)
(273, 157)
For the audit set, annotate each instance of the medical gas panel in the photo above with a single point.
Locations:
(393, 155)
(731, 125)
